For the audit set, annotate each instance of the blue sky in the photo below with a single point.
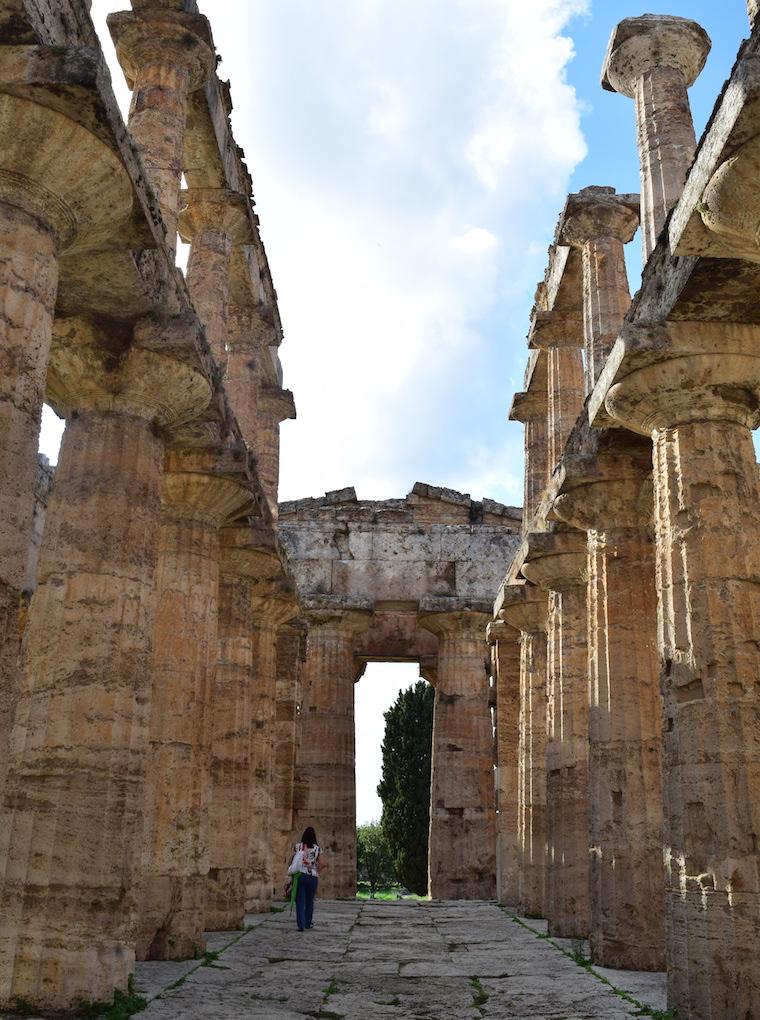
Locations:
(410, 158)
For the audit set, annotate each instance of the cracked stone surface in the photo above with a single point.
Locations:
(377, 959)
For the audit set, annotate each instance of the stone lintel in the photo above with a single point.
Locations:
(597, 212)
(710, 221)
(638, 45)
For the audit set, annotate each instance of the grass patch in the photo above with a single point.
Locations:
(24, 1008)
(388, 892)
(479, 994)
(274, 910)
(124, 1005)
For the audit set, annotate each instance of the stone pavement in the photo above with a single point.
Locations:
(404, 960)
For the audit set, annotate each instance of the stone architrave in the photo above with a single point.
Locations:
(556, 561)
(654, 59)
(291, 645)
(273, 605)
(599, 224)
(213, 221)
(524, 607)
(195, 505)
(462, 854)
(695, 389)
(243, 566)
(61, 188)
(325, 786)
(530, 407)
(505, 651)
(608, 494)
(70, 834)
(165, 55)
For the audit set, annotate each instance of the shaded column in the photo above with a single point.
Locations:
(654, 59)
(505, 652)
(565, 397)
(530, 408)
(272, 609)
(194, 507)
(524, 607)
(700, 411)
(325, 787)
(600, 223)
(612, 501)
(291, 647)
(165, 55)
(71, 829)
(556, 561)
(59, 185)
(213, 220)
(462, 853)
(275, 405)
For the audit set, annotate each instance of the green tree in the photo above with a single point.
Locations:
(405, 786)
(373, 859)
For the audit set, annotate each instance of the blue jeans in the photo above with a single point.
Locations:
(307, 890)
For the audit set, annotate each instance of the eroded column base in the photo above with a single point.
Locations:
(225, 899)
(172, 918)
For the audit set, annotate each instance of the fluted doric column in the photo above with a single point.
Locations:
(524, 607)
(195, 505)
(275, 405)
(699, 409)
(505, 656)
(530, 407)
(556, 561)
(610, 498)
(213, 221)
(462, 850)
(70, 833)
(291, 647)
(599, 224)
(654, 59)
(165, 55)
(272, 607)
(565, 390)
(60, 186)
(325, 787)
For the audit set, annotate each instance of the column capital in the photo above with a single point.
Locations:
(243, 554)
(163, 38)
(275, 602)
(558, 328)
(555, 560)
(652, 41)
(598, 212)
(199, 497)
(462, 623)
(215, 209)
(529, 405)
(277, 403)
(523, 607)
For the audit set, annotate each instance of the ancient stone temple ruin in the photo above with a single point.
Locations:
(178, 651)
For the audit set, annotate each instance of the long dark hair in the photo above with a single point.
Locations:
(309, 837)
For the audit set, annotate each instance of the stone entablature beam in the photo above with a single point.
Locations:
(654, 59)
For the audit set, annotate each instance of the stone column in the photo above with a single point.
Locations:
(59, 186)
(462, 853)
(71, 828)
(505, 650)
(700, 411)
(612, 502)
(565, 397)
(531, 409)
(654, 59)
(599, 224)
(291, 645)
(195, 505)
(165, 55)
(556, 561)
(325, 787)
(213, 220)
(275, 406)
(271, 611)
(242, 568)
(523, 607)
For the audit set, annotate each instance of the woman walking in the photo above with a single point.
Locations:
(305, 864)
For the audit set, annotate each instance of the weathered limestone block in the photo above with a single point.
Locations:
(505, 654)
(291, 648)
(165, 55)
(70, 833)
(243, 566)
(462, 856)
(600, 223)
(213, 220)
(524, 607)
(556, 561)
(325, 788)
(699, 410)
(176, 849)
(608, 493)
(273, 606)
(60, 187)
(654, 59)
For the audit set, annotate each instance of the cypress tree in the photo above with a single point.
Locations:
(405, 787)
